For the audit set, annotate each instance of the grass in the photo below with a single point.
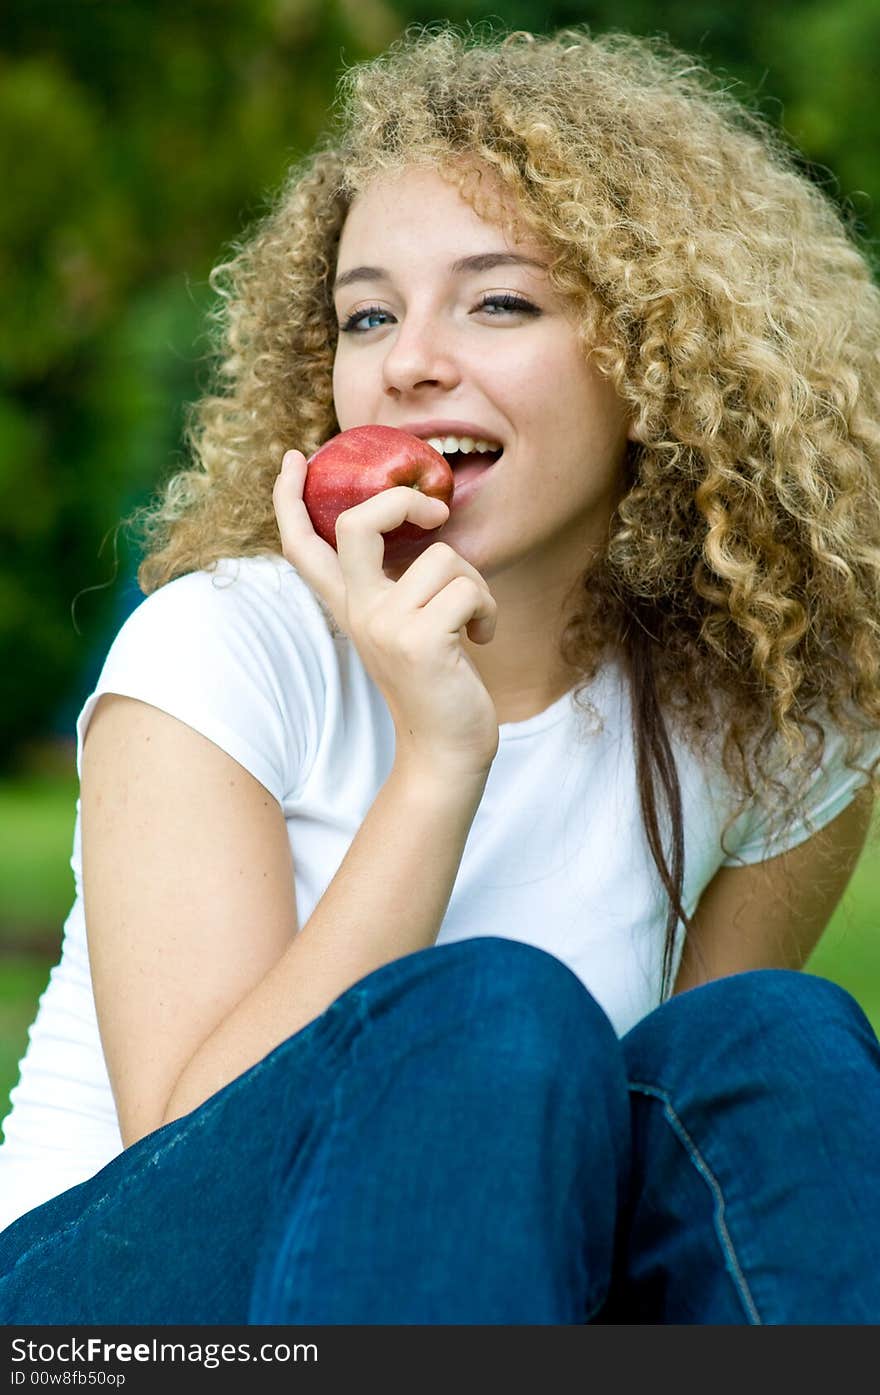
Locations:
(22, 980)
(37, 814)
(849, 951)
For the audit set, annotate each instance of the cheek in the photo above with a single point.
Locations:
(527, 386)
(549, 372)
(345, 395)
(600, 413)
(356, 371)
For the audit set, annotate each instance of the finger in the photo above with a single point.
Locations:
(430, 572)
(464, 602)
(313, 558)
(359, 533)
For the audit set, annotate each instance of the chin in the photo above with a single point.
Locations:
(396, 564)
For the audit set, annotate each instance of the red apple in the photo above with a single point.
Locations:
(360, 462)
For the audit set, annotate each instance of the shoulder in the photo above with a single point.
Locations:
(771, 914)
(236, 585)
(244, 609)
(239, 653)
(806, 794)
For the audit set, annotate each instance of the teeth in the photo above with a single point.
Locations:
(448, 445)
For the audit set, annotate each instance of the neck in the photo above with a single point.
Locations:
(521, 667)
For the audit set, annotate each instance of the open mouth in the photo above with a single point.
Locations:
(458, 459)
(469, 471)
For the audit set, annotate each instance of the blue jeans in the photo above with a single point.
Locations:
(462, 1138)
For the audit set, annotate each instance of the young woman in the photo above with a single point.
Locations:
(394, 876)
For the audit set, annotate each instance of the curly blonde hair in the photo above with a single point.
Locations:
(724, 295)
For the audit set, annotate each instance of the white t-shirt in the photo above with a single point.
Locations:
(556, 855)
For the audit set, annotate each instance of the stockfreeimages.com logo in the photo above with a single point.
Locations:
(91, 1350)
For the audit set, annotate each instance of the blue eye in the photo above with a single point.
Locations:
(358, 316)
(504, 302)
(510, 302)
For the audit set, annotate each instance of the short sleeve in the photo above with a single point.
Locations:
(234, 654)
(832, 786)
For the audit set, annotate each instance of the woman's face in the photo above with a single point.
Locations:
(422, 341)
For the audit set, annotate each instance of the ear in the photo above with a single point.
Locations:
(631, 432)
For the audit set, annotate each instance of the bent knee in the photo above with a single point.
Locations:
(769, 997)
(504, 994)
(796, 1011)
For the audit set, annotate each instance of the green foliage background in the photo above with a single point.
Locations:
(136, 141)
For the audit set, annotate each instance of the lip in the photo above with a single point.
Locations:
(436, 427)
(468, 480)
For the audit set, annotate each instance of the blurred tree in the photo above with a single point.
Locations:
(136, 140)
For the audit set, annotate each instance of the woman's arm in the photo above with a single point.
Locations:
(197, 965)
(772, 914)
(198, 969)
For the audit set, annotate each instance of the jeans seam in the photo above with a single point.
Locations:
(732, 1262)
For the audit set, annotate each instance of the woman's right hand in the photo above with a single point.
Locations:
(407, 632)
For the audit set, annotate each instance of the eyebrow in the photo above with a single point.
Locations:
(481, 261)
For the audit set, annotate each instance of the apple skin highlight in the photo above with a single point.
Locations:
(356, 464)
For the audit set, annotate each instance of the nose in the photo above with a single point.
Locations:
(420, 352)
